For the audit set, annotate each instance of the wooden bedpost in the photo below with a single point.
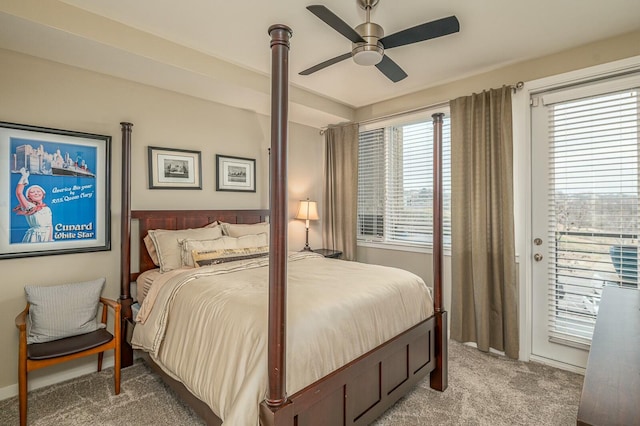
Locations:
(276, 394)
(439, 378)
(126, 351)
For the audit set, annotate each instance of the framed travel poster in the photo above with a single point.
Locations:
(58, 191)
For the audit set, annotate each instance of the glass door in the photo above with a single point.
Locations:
(585, 221)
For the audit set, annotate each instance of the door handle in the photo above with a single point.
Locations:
(537, 257)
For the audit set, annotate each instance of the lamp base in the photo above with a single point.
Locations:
(306, 241)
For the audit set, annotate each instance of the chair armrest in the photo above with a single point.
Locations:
(21, 319)
(116, 314)
(112, 303)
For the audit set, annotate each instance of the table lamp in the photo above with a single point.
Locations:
(308, 211)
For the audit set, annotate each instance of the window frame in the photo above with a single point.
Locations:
(422, 116)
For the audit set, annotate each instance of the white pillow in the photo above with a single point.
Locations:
(241, 229)
(167, 243)
(246, 241)
(60, 311)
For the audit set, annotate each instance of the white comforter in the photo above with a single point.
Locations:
(208, 326)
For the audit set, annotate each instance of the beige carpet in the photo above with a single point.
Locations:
(486, 389)
(483, 390)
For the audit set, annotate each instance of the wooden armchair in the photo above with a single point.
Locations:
(39, 355)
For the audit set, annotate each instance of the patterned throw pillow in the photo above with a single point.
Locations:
(246, 241)
(215, 257)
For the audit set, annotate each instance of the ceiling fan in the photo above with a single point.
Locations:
(369, 43)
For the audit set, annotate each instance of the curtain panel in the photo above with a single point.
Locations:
(484, 287)
(340, 201)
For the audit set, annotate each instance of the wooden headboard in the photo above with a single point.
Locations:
(183, 219)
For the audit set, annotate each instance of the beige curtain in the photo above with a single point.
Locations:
(484, 288)
(339, 212)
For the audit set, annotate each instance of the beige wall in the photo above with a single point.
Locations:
(48, 94)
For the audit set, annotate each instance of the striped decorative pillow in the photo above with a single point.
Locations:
(246, 241)
(60, 311)
(215, 257)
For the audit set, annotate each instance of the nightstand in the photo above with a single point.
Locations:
(333, 254)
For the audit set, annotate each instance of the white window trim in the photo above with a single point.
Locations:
(401, 247)
(523, 184)
(422, 115)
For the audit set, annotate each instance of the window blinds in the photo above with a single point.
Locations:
(395, 183)
(371, 185)
(593, 207)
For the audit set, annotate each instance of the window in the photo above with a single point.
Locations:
(395, 181)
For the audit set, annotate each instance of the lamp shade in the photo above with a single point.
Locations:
(308, 210)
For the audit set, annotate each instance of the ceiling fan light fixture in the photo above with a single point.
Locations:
(369, 42)
(367, 55)
(370, 51)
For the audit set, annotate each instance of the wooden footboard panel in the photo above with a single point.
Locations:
(359, 392)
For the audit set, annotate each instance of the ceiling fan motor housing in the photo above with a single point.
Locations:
(371, 51)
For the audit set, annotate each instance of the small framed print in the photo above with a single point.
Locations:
(235, 174)
(171, 168)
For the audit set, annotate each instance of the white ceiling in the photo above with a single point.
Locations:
(493, 33)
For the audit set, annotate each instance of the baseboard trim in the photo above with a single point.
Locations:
(51, 379)
(557, 364)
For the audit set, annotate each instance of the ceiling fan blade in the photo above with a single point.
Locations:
(336, 23)
(429, 30)
(325, 64)
(390, 69)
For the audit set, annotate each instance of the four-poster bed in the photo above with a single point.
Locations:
(355, 392)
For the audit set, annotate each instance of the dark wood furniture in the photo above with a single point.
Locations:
(40, 355)
(358, 392)
(611, 389)
(331, 254)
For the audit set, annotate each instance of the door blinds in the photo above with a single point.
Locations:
(592, 205)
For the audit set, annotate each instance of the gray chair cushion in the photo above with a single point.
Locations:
(62, 310)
